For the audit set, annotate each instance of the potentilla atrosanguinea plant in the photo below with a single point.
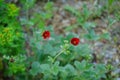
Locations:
(46, 34)
(75, 41)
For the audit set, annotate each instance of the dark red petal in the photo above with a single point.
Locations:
(46, 34)
(75, 41)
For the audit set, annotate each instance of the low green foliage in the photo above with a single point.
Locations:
(47, 59)
(11, 38)
(16, 64)
(83, 17)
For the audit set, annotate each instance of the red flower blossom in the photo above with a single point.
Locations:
(75, 41)
(46, 34)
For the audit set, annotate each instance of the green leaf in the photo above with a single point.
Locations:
(81, 21)
(35, 68)
(49, 48)
(86, 12)
(79, 65)
(111, 21)
(24, 21)
(84, 51)
(55, 68)
(50, 59)
(45, 68)
(47, 15)
(35, 65)
(105, 36)
(110, 2)
(70, 69)
(92, 35)
(48, 6)
(29, 3)
(100, 70)
(72, 10)
(89, 25)
(69, 28)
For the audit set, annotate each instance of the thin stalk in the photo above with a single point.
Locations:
(57, 55)
(27, 11)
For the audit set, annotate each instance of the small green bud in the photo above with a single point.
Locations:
(68, 52)
(65, 41)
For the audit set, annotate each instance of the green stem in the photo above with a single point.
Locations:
(62, 50)
(27, 11)
(57, 55)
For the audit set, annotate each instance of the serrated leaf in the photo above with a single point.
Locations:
(72, 10)
(55, 68)
(88, 25)
(105, 36)
(50, 59)
(45, 68)
(79, 66)
(92, 35)
(35, 68)
(29, 3)
(86, 12)
(48, 6)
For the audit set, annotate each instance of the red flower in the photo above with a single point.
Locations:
(75, 41)
(46, 34)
